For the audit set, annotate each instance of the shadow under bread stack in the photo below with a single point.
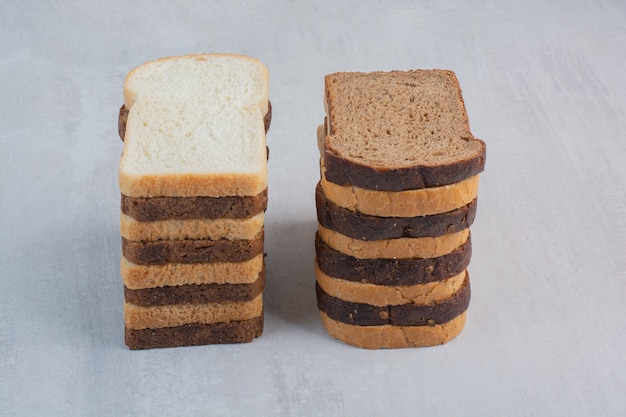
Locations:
(193, 178)
(397, 195)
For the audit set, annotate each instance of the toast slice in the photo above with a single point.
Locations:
(394, 337)
(195, 127)
(367, 227)
(137, 276)
(406, 314)
(389, 271)
(399, 130)
(214, 229)
(243, 331)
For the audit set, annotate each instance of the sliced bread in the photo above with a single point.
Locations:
(195, 127)
(392, 336)
(195, 334)
(398, 131)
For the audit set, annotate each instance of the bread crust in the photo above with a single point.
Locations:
(362, 314)
(408, 203)
(230, 229)
(395, 272)
(185, 208)
(401, 248)
(193, 185)
(195, 334)
(368, 227)
(195, 293)
(149, 276)
(122, 118)
(382, 295)
(154, 317)
(394, 337)
(342, 171)
(191, 251)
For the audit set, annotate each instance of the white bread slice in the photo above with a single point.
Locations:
(149, 276)
(409, 203)
(195, 127)
(384, 295)
(223, 228)
(399, 248)
(170, 315)
(394, 337)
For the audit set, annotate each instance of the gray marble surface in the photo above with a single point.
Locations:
(544, 87)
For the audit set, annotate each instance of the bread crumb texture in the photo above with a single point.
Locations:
(398, 119)
(195, 119)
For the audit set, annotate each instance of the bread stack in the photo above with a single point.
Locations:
(193, 178)
(399, 181)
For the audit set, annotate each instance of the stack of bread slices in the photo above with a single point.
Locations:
(193, 178)
(399, 181)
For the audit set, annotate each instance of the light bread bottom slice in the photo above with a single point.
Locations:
(149, 276)
(194, 334)
(230, 229)
(394, 337)
(139, 317)
(384, 295)
(401, 248)
(410, 203)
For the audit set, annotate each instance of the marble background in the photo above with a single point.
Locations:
(544, 86)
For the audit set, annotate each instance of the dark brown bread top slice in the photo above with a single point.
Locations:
(244, 331)
(399, 130)
(366, 227)
(360, 314)
(147, 209)
(191, 251)
(195, 293)
(384, 271)
(123, 118)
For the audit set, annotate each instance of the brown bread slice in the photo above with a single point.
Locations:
(195, 293)
(367, 227)
(384, 271)
(191, 251)
(147, 209)
(398, 130)
(362, 314)
(382, 295)
(195, 334)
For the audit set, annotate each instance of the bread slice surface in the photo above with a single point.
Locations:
(393, 337)
(195, 127)
(398, 130)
